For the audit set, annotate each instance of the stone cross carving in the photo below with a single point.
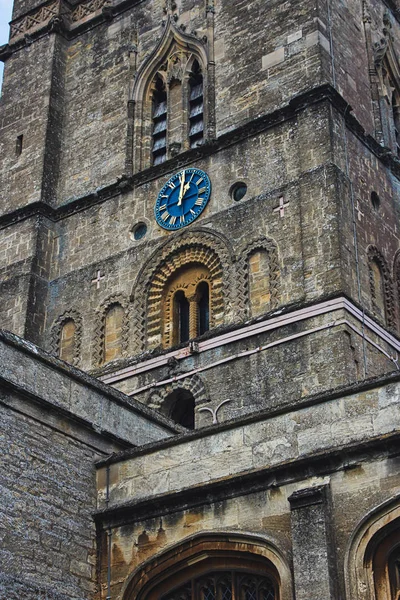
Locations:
(281, 207)
(359, 213)
(98, 279)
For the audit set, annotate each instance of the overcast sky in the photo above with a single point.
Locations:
(5, 18)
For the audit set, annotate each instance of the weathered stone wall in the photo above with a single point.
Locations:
(255, 477)
(48, 496)
(55, 422)
(297, 364)
(356, 27)
(27, 108)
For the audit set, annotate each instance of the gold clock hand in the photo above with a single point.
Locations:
(181, 191)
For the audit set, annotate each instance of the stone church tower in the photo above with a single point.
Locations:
(200, 298)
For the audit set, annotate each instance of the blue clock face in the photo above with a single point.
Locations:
(182, 199)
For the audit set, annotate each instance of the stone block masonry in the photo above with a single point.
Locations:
(55, 423)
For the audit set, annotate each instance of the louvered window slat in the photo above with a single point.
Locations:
(196, 107)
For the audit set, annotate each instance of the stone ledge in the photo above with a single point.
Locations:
(36, 375)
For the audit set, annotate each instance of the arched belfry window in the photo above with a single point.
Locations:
(196, 106)
(390, 109)
(160, 120)
(187, 304)
(172, 107)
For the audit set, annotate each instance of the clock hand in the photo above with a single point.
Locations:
(181, 191)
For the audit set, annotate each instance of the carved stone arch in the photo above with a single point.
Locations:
(261, 244)
(193, 384)
(170, 59)
(197, 246)
(100, 326)
(375, 256)
(55, 344)
(203, 550)
(360, 578)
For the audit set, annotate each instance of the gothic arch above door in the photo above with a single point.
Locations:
(213, 567)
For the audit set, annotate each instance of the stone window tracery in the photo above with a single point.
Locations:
(386, 566)
(225, 585)
(172, 108)
(390, 107)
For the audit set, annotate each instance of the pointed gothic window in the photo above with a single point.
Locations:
(159, 114)
(390, 107)
(196, 106)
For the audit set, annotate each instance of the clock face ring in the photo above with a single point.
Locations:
(182, 199)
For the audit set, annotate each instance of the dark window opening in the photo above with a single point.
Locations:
(375, 200)
(204, 308)
(182, 408)
(181, 317)
(196, 106)
(394, 573)
(19, 145)
(396, 120)
(159, 150)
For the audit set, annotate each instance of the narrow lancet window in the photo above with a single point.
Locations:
(159, 149)
(181, 317)
(204, 307)
(196, 106)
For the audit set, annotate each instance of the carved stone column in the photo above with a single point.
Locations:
(193, 316)
(313, 551)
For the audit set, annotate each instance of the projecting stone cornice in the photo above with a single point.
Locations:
(62, 17)
(123, 184)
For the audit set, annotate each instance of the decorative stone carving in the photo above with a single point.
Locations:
(196, 246)
(34, 21)
(69, 315)
(193, 384)
(381, 46)
(374, 255)
(87, 8)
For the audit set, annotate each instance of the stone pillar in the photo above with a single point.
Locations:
(193, 316)
(313, 552)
